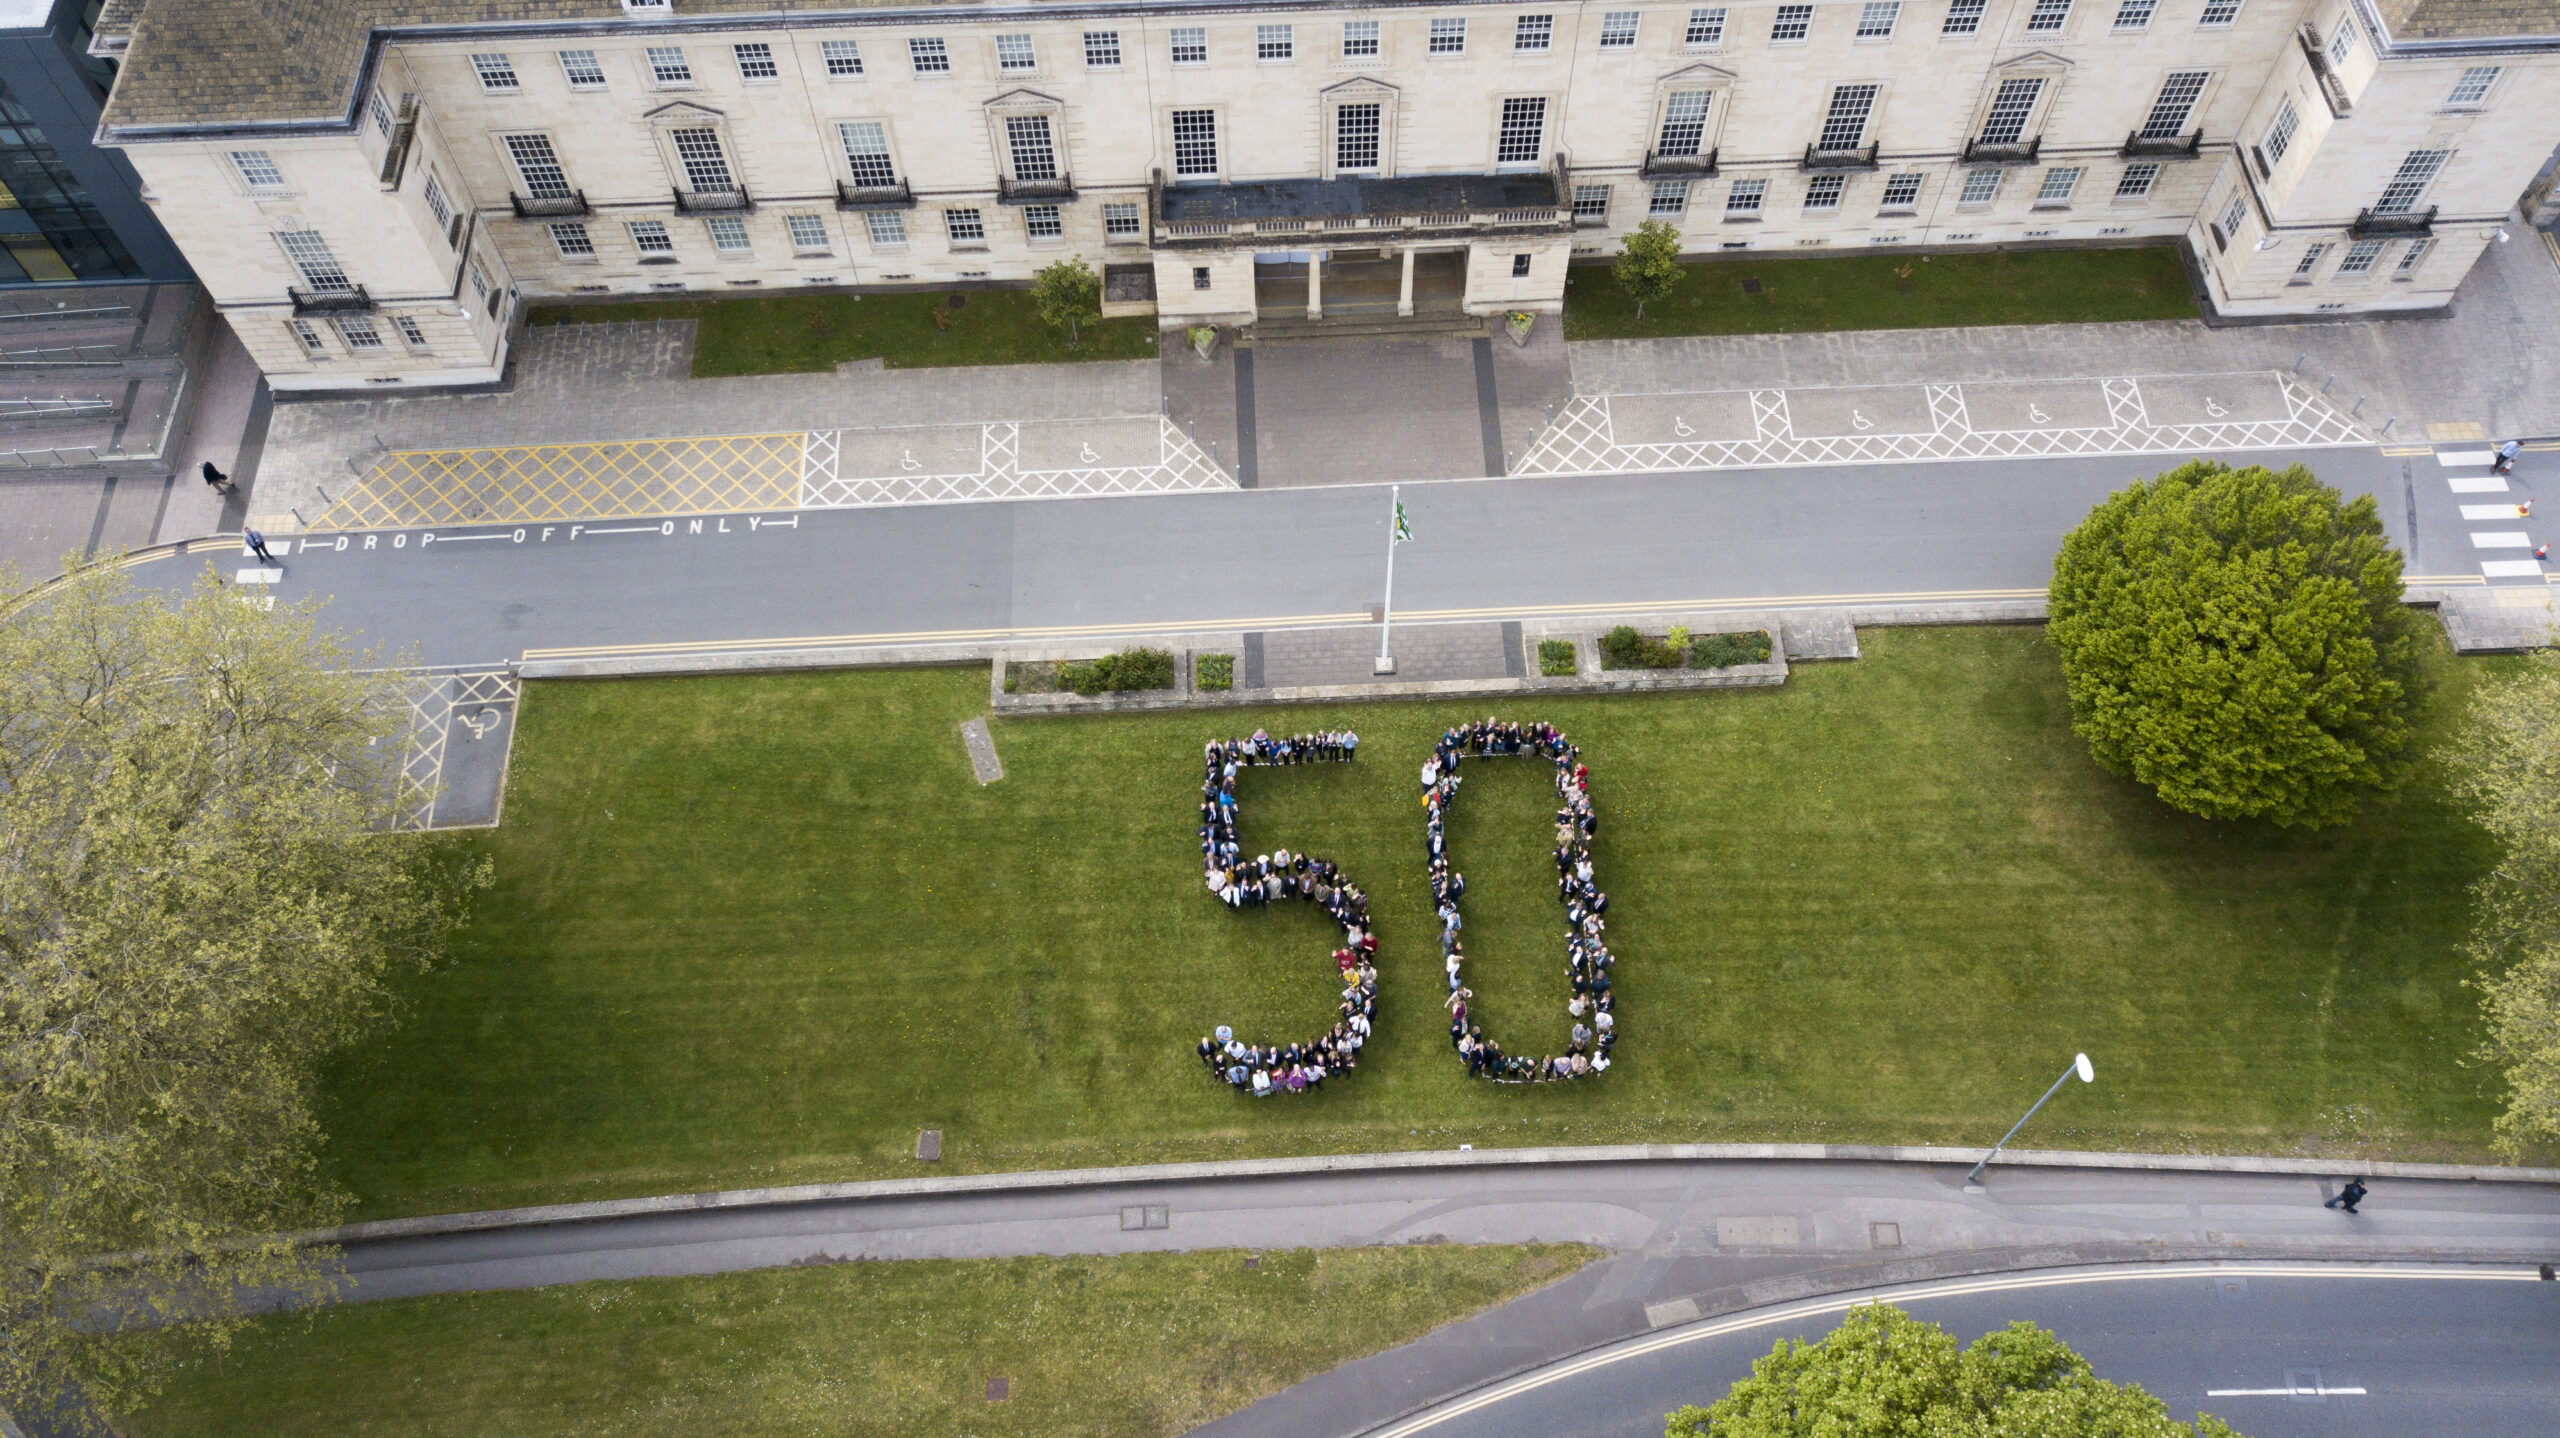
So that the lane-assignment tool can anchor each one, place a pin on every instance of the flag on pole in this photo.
(1404, 531)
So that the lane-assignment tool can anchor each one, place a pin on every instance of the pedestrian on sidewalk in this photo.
(2349, 1196)
(215, 479)
(257, 545)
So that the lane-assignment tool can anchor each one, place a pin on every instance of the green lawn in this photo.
(784, 334)
(1139, 1346)
(1871, 292)
(760, 930)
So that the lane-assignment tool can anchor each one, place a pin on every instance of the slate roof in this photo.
(1346, 198)
(191, 62)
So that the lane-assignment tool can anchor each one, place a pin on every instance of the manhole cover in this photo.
(1885, 1235)
(1751, 284)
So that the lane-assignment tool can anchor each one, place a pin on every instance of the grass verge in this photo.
(761, 929)
(1135, 1346)
(1887, 291)
(788, 334)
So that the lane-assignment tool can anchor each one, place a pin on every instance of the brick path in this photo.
(1304, 658)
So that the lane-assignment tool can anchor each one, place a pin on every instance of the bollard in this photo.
(2388, 423)
(2359, 407)
(2324, 389)
(2298, 359)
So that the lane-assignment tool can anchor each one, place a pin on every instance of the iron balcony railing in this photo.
(2016, 152)
(2163, 146)
(1035, 192)
(712, 202)
(2370, 223)
(1860, 158)
(894, 196)
(549, 207)
(1659, 166)
(349, 301)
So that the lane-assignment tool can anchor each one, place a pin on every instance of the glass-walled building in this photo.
(70, 213)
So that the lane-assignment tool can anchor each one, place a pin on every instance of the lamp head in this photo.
(2265, 242)
(2080, 1062)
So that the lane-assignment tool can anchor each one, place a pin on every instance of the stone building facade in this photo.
(369, 188)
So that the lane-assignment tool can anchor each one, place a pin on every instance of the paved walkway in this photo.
(2490, 369)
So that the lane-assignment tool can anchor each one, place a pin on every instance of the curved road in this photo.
(2277, 1351)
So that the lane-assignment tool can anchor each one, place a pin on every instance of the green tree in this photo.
(2508, 762)
(1884, 1374)
(2234, 639)
(1067, 293)
(197, 904)
(1648, 266)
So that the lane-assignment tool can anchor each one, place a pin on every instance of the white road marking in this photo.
(635, 529)
(2501, 539)
(467, 538)
(258, 576)
(2510, 568)
(2284, 1393)
(2490, 511)
(2475, 484)
(2450, 458)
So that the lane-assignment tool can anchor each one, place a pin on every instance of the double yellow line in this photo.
(1273, 621)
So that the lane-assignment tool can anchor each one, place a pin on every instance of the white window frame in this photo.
(2047, 17)
(2219, 14)
(1275, 44)
(700, 155)
(1374, 132)
(1533, 33)
(359, 334)
(651, 237)
(2307, 268)
(1792, 25)
(2359, 260)
(964, 227)
(1448, 36)
(1909, 183)
(307, 334)
(1981, 188)
(1619, 29)
(315, 262)
(2342, 41)
(1591, 202)
(1123, 220)
(929, 55)
(1032, 138)
(2137, 181)
(1876, 19)
(1851, 110)
(1360, 40)
(411, 333)
(1824, 192)
(1681, 127)
(867, 168)
(1519, 116)
(884, 229)
(1044, 224)
(1667, 200)
(1187, 45)
(755, 61)
(437, 204)
(1102, 49)
(572, 241)
(2418, 171)
(2057, 185)
(1964, 17)
(1999, 111)
(801, 228)
(2413, 257)
(583, 69)
(2134, 15)
(496, 72)
(1202, 143)
(668, 67)
(2279, 133)
(555, 184)
(729, 237)
(2235, 214)
(2180, 94)
(843, 58)
(1746, 199)
(1016, 54)
(1705, 30)
(2471, 91)
(259, 171)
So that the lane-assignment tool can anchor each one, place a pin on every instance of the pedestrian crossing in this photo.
(2468, 472)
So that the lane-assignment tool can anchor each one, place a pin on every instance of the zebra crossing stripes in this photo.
(2490, 539)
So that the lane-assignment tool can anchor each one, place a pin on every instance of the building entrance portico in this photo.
(1370, 283)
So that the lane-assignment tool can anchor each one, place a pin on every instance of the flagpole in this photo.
(1387, 611)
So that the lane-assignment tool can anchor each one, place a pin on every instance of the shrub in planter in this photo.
(1555, 658)
(1723, 651)
(1624, 648)
(1214, 671)
(1128, 669)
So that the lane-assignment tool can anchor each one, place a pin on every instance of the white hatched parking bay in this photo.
(1880, 424)
(1030, 459)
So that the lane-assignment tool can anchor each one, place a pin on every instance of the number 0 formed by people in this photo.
(1279, 877)
(1587, 959)
(1243, 882)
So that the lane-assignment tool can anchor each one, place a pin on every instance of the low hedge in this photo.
(1555, 658)
(1722, 651)
(1214, 671)
(1128, 669)
(1625, 648)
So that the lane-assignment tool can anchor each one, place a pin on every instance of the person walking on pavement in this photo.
(215, 479)
(2349, 1196)
(257, 545)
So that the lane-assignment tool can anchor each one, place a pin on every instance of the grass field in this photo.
(1871, 292)
(761, 930)
(784, 334)
(1138, 1346)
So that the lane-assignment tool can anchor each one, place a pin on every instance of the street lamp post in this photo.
(2080, 1066)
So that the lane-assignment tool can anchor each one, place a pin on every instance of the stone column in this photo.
(1404, 297)
(1315, 284)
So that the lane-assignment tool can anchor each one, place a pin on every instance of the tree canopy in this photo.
(1885, 1374)
(1648, 265)
(1067, 293)
(2234, 639)
(197, 903)
(2508, 760)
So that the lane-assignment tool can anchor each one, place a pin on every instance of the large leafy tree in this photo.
(2509, 763)
(1885, 1374)
(197, 903)
(1648, 264)
(1068, 294)
(2234, 639)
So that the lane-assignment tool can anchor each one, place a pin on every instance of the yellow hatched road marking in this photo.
(551, 483)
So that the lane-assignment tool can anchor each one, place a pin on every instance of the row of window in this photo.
(1748, 199)
(964, 226)
(1018, 54)
(360, 334)
(2362, 259)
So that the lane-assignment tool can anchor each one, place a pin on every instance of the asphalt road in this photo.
(1255, 558)
(2276, 1351)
